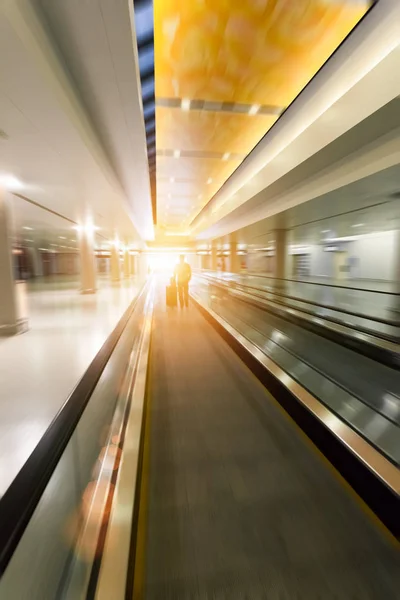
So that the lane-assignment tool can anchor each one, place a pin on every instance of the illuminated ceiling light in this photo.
(185, 104)
(11, 183)
(88, 228)
(358, 225)
(28, 228)
(177, 153)
(325, 231)
(254, 109)
(209, 180)
(180, 233)
(226, 156)
(172, 179)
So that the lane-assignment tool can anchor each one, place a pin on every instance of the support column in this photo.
(234, 258)
(280, 253)
(132, 264)
(214, 257)
(88, 268)
(280, 256)
(127, 260)
(115, 266)
(10, 320)
(37, 266)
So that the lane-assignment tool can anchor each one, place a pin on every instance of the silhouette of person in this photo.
(183, 274)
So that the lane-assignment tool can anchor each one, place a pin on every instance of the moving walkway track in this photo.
(205, 486)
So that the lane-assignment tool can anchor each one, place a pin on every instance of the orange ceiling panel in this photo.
(205, 131)
(198, 171)
(248, 51)
(258, 54)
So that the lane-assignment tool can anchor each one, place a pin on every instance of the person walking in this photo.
(183, 274)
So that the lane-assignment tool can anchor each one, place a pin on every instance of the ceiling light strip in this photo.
(230, 107)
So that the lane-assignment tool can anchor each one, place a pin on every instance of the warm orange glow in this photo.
(246, 51)
(257, 53)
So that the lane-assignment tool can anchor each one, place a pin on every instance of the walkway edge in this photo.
(115, 561)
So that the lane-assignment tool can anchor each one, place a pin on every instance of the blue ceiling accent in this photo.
(144, 24)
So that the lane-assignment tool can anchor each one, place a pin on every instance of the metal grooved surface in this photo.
(240, 506)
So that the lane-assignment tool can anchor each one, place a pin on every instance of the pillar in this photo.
(88, 268)
(127, 264)
(234, 258)
(37, 267)
(132, 264)
(281, 251)
(115, 266)
(214, 257)
(10, 323)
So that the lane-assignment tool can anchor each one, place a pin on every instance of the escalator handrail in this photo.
(23, 495)
(322, 284)
(375, 350)
(310, 302)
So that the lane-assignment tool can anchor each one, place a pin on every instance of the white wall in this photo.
(321, 262)
(375, 256)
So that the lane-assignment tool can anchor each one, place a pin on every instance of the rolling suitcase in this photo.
(171, 293)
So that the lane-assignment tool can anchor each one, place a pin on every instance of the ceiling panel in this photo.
(225, 70)
(209, 131)
(253, 52)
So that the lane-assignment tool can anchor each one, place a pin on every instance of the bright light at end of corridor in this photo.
(163, 262)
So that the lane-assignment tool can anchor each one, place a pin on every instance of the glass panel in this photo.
(40, 568)
(354, 387)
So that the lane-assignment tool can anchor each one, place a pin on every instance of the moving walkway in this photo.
(172, 472)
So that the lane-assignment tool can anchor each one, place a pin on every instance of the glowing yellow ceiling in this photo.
(224, 72)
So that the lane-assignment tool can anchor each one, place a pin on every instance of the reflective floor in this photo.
(40, 368)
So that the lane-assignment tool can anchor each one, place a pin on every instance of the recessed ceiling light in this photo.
(177, 153)
(254, 109)
(325, 231)
(185, 104)
(209, 180)
(226, 156)
(61, 237)
(88, 228)
(358, 225)
(11, 183)
(28, 228)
